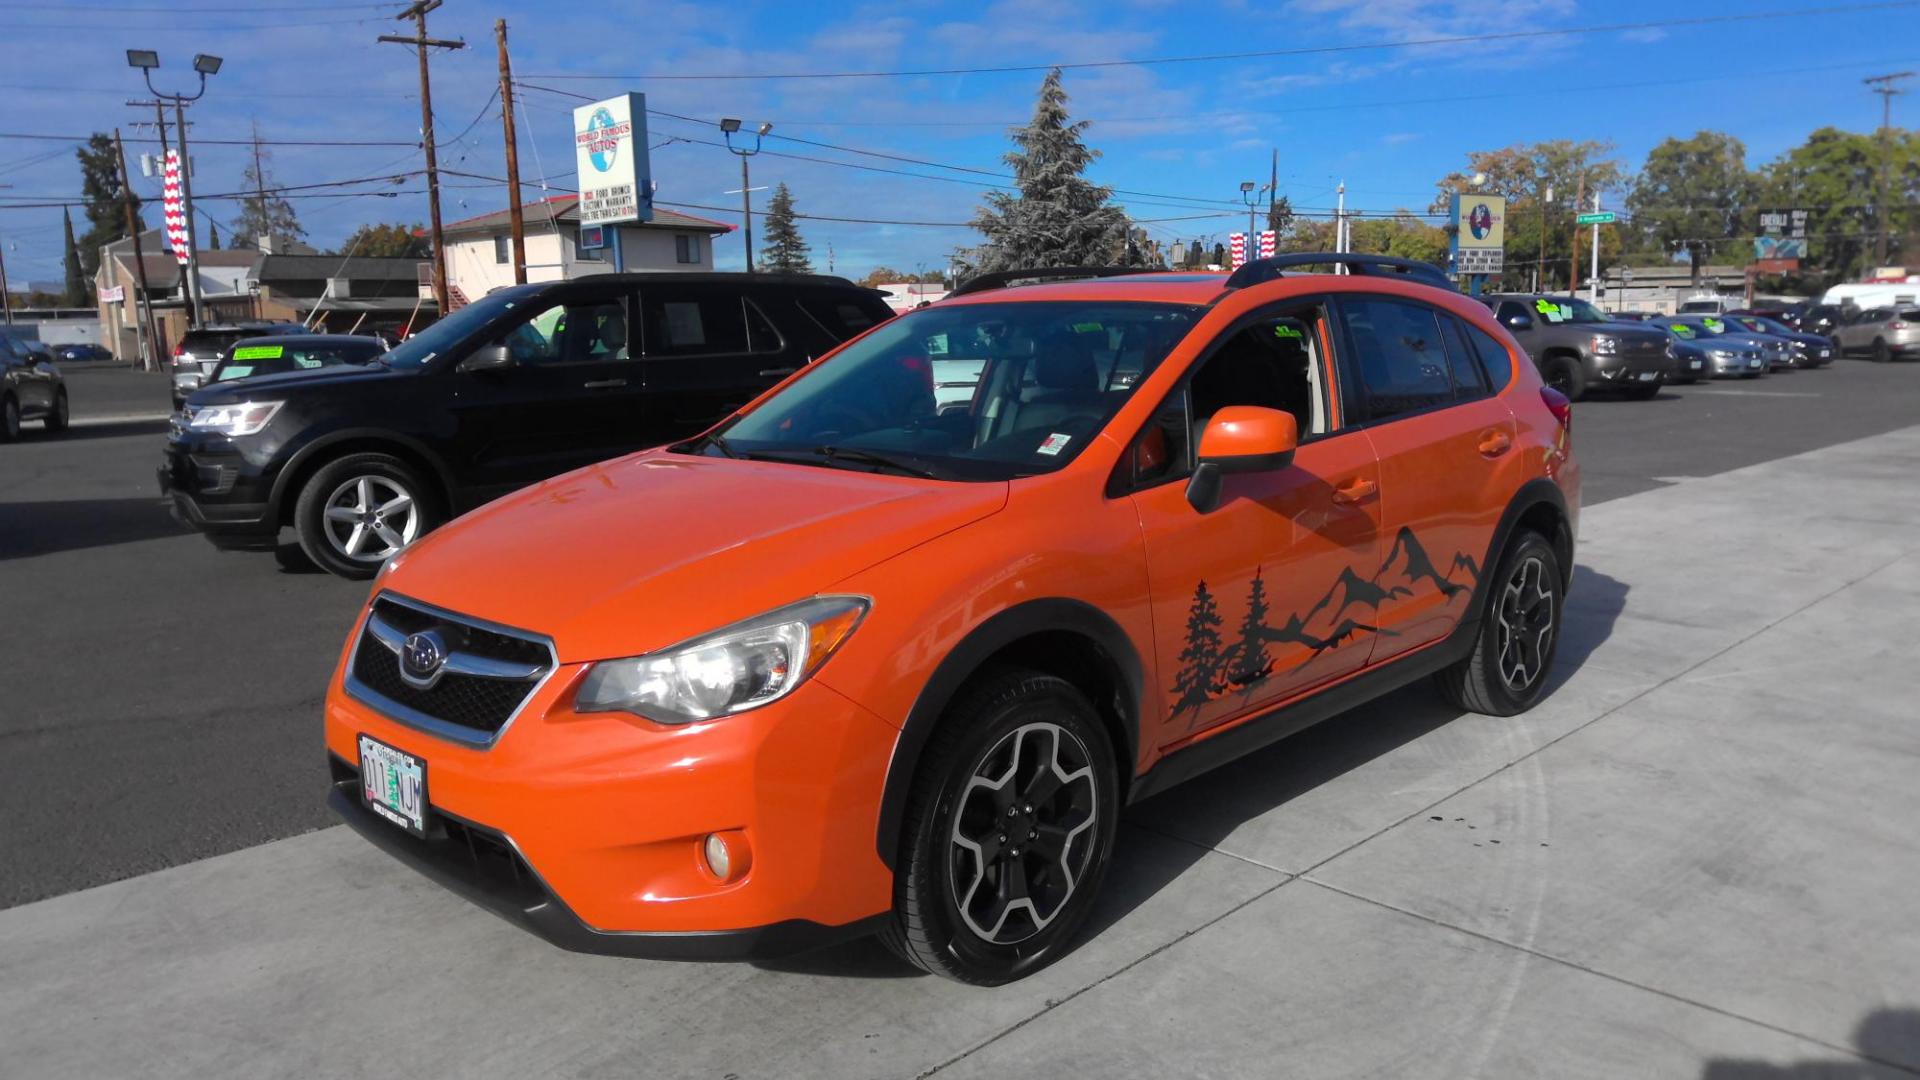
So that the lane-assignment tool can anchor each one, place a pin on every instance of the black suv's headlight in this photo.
(740, 667)
(246, 418)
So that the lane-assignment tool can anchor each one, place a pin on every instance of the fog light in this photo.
(727, 855)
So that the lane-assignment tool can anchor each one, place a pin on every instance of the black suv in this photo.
(30, 387)
(532, 381)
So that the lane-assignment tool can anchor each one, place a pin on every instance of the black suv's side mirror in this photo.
(494, 357)
(1519, 320)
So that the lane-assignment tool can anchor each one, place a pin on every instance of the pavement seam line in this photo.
(1055, 1003)
(1610, 977)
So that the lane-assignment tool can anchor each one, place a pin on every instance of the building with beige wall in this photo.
(480, 249)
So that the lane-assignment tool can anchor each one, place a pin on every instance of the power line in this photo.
(1462, 39)
(217, 142)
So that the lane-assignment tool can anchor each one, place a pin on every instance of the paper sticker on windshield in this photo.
(1288, 332)
(1714, 325)
(1553, 312)
(236, 371)
(1055, 443)
(1681, 330)
(259, 352)
(306, 362)
(1087, 328)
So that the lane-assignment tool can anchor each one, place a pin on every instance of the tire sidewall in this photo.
(1525, 545)
(1576, 376)
(9, 419)
(310, 508)
(58, 418)
(980, 961)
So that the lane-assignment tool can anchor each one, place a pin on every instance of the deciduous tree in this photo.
(1695, 195)
(394, 241)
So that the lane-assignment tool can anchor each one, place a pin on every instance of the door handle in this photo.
(605, 384)
(1495, 443)
(769, 372)
(1354, 490)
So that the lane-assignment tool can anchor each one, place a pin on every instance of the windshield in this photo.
(1558, 310)
(1760, 325)
(249, 360)
(967, 392)
(422, 347)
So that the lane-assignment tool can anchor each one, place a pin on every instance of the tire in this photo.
(9, 419)
(369, 485)
(1529, 576)
(995, 728)
(58, 419)
(1565, 374)
(1642, 393)
(1880, 352)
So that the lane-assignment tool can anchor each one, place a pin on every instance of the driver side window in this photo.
(576, 333)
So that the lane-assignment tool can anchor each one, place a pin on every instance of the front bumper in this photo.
(218, 490)
(605, 815)
(1739, 366)
(1632, 370)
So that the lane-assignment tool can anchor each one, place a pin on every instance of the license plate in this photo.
(1647, 376)
(1753, 363)
(394, 785)
(1696, 365)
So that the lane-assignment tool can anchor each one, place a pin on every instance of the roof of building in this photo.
(566, 209)
(360, 267)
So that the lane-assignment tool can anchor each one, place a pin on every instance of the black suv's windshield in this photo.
(417, 350)
(1563, 309)
(1022, 387)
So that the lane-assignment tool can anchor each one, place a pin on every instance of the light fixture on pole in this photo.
(728, 127)
(1250, 195)
(146, 60)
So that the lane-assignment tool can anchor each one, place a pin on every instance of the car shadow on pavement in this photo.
(1889, 1040)
(28, 529)
(1187, 823)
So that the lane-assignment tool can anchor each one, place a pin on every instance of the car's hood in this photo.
(635, 554)
(261, 387)
(1626, 331)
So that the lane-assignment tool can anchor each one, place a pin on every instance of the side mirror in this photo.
(494, 357)
(1519, 321)
(1240, 439)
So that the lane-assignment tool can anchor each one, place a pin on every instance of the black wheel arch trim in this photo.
(306, 455)
(1050, 615)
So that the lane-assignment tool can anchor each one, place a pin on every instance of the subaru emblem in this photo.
(421, 658)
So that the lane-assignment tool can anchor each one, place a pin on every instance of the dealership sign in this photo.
(1479, 227)
(1788, 223)
(610, 157)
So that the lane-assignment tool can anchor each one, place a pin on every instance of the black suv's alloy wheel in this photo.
(357, 512)
(1009, 830)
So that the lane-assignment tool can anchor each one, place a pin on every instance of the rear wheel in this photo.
(57, 419)
(1008, 831)
(1563, 373)
(9, 418)
(1518, 636)
(1881, 354)
(357, 512)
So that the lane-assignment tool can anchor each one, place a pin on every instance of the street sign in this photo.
(1604, 217)
(610, 157)
(1626, 275)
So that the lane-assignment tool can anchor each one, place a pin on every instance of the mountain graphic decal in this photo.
(1211, 668)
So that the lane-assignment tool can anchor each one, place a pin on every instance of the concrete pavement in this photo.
(1696, 858)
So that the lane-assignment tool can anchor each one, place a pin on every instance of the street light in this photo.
(1250, 195)
(728, 127)
(203, 65)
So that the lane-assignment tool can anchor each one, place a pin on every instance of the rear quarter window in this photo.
(1493, 356)
(844, 317)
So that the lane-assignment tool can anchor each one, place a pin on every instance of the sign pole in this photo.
(1593, 277)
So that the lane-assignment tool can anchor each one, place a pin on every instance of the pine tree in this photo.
(265, 214)
(783, 250)
(76, 284)
(1058, 218)
(1249, 663)
(1202, 659)
(106, 207)
(213, 236)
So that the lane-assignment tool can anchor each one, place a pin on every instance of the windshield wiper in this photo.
(868, 457)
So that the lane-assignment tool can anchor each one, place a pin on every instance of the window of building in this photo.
(502, 250)
(583, 254)
(686, 248)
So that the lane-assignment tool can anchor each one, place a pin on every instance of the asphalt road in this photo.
(160, 700)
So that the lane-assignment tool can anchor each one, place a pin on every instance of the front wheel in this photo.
(57, 419)
(9, 419)
(1563, 373)
(1008, 831)
(1518, 636)
(357, 512)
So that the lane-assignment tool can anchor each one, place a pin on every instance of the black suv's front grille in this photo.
(488, 672)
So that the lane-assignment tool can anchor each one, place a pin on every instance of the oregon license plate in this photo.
(394, 785)
(1648, 376)
(1696, 365)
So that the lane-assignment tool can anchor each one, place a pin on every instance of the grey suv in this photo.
(1882, 333)
(1578, 347)
(201, 349)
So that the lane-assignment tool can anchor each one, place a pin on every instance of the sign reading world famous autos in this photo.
(610, 155)
(1479, 233)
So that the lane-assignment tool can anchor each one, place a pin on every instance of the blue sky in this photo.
(1387, 121)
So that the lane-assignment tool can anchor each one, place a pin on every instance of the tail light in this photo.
(179, 349)
(1896, 326)
(1558, 405)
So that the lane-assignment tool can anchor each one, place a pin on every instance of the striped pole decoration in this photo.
(175, 209)
(1236, 250)
(1268, 244)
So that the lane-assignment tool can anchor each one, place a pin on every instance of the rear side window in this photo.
(1468, 382)
(1398, 355)
(688, 322)
(1493, 356)
(841, 316)
(1910, 316)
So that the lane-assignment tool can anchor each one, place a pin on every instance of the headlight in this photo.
(740, 667)
(246, 418)
(1606, 345)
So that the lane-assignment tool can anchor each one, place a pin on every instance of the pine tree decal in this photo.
(1249, 663)
(1202, 660)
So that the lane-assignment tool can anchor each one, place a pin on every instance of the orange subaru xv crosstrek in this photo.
(888, 649)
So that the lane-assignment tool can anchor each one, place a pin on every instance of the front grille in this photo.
(467, 707)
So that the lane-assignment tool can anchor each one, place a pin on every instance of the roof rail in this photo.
(1000, 279)
(1259, 270)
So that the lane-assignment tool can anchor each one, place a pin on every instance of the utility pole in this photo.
(519, 225)
(1573, 261)
(1540, 264)
(1883, 202)
(421, 42)
(260, 189)
(186, 204)
(6, 296)
(1340, 222)
(1593, 275)
(145, 329)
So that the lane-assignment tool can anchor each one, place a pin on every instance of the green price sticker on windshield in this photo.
(1087, 328)
(1681, 330)
(1551, 311)
(1290, 332)
(259, 352)
(1714, 325)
